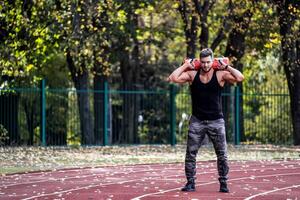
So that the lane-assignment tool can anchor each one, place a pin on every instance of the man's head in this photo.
(206, 59)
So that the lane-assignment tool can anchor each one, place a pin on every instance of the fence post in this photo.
(105, 113)
(237, 115)
(43, 112)
(172, 115)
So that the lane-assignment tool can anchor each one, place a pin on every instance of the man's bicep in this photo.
(184, 77)
(228, 77)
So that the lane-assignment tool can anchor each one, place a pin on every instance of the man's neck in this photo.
(206, 73)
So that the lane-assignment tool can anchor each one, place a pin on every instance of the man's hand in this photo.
(192, 64)
(220, 63)
(223, 65)
(188, 65)
(181, 74)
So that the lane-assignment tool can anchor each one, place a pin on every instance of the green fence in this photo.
(44, 116)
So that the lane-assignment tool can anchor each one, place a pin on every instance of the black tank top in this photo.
(206, 98)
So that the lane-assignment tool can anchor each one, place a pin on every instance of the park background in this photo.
(77, 76)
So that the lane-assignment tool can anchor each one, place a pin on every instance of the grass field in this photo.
(25, 159)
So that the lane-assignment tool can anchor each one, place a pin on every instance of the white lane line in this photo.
(126, 172)
(84, 176)
(121, 182)
(208, 183)
(63, 170)
(129, 167)
(271, 191)
(79, 188)
(84, 170)
(78, 176)
(88, 187)
(233, 163)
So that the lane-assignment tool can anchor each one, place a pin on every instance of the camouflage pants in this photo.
(215, 129)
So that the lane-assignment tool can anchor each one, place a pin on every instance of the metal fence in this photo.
(43, 116)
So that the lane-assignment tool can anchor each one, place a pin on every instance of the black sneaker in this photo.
(223, 187)
(189, 186)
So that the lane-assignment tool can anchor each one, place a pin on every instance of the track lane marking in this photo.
(80, 188)
(212, 182)
(271, 191)
(121, 182)
(250, 163)
(269, 163)
(84, 170)
(74, 177)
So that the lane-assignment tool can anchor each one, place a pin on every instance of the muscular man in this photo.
(206, 85)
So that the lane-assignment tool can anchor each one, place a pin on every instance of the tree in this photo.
(234, 25)
(288, 18)
(190, 21)
(235, 49)
(84, 29)
(127, 45)
(101, 67)
(25, 41)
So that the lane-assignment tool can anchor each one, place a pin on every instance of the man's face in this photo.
(206, 63)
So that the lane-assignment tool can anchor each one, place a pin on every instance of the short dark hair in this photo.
(206, 52)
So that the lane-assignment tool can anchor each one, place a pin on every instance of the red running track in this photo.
(267, 180)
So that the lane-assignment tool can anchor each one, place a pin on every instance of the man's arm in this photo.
(181, 75)
(234, 75)
(231, 74)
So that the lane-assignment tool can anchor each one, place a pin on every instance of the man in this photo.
(206, 85)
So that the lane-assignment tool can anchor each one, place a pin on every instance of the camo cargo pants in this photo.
(215, 129)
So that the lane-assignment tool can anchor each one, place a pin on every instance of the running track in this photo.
(267, 180)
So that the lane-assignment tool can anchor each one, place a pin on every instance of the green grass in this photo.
(25, 159)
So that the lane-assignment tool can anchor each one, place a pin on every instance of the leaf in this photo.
(29, 67)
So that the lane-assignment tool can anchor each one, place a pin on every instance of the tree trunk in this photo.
(127, 71)
(80, 80)
(296, 98)
(295, 101)
(130, 72)
(86, 122)
(203, 11)
(128, 116)
(29, 113)
(100, 69)
(190, 28)
(235, 50)
(290, 58)
(99, 108)
(225, 27)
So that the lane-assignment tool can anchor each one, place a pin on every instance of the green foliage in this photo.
(83, 29)
(154, 129)
(55, 71)
(29, 117)
(266, 103)
(73, 139)
(73, 131)
(27, 38)
(263, 36)
(36, 35)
